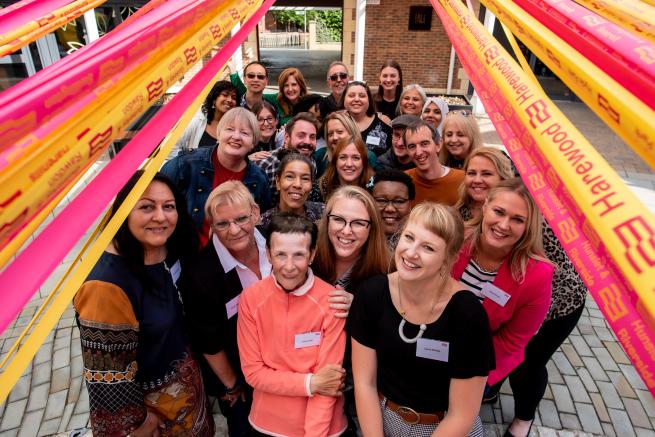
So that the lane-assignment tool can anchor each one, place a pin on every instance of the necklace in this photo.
(494, 269)
(401, 326)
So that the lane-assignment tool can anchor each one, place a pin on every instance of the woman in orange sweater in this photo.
(296, 373)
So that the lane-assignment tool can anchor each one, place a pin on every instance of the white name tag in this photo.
(232, 307)
(432, 349)
(490, 291)
(375, 141)
(307, 339)
(175, 271)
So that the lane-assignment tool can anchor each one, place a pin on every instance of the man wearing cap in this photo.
(398, 156)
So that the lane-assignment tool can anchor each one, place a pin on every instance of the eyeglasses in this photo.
(342, 76)
(267, 120)
(397, 203)
(258, 76)
(404, 147)
(239, 221)
(355, 225)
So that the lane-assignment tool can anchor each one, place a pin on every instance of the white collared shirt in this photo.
(246, 276)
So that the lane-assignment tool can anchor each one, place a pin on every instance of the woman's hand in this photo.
(234, 395)
(340, 300)
(258, 156)
(328, 381)
(149, 427)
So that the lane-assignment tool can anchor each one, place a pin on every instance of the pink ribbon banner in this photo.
(22, 13)
(611, 291)
(22, 278)
(627, 58)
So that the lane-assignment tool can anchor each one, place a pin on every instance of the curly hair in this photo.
(219, 87)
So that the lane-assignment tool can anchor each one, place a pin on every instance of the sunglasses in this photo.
(258, 76)
(342, 76)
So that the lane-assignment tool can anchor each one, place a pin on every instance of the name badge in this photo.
(307, 339)
(175, 271)
(375, 141)
(232, 307)
(432, 349)
(490, 291)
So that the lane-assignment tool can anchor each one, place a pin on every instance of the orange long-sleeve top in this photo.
(272, 324)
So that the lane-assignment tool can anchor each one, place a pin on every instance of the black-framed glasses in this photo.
(356, 225)
(335, 76)
(267, 120)
(258, 76)
(239, 221)
(397, 203)
(404, 147)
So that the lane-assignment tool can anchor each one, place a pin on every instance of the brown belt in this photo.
(410, 416)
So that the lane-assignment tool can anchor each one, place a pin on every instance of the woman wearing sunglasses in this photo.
(358, 101)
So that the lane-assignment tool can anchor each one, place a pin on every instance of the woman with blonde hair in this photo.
(349, 166)
(421, 344)
(292, 86)
(336, 126)
(503, 263)
(460, 136)
(484, 168)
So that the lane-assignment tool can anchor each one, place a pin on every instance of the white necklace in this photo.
(401, 326)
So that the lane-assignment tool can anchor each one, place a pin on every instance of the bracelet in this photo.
(235, 388)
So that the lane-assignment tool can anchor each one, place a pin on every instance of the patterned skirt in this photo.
(395, 426)
(181, 402)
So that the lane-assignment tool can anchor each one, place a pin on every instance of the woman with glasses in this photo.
(390, 88)
(393, 191)
(421, 346)
(203, 129)
(197, 173)
(141, 377)
(294, 180)
(351, 248)
(234, 259)
(267, 119)
(434, 111)
(349, 166)
(484, 169)
(460, 137)
(411, 100)
(358, 101)
(292, 87)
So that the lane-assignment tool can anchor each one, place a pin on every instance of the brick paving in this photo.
(593, 389)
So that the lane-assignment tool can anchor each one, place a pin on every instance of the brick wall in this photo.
(424, 56)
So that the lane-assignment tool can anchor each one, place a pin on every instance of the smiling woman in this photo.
(141, 378)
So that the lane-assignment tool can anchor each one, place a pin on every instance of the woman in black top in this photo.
(421, 344)
(391, 85)
(358, 101)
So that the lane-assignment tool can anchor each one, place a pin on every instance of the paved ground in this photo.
(593, 388)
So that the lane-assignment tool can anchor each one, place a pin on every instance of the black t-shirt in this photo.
(387, 108)
(207, 140)
(327, 105)
(404, 378)
(377, 136)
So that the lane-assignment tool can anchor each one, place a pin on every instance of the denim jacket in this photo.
(193, 172)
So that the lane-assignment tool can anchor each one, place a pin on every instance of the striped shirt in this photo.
(474, 278)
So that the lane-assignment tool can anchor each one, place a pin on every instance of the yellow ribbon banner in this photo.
(628, 116)
(596, 199)
(30, 183)
(636, 16)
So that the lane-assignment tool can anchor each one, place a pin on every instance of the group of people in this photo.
(349, 264)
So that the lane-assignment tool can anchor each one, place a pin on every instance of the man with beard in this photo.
(337, 79)
(299, 136)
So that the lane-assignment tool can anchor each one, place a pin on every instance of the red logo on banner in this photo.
(100, 141)
(636, 235)
(234, 13)
(191, 55)
(605, 104)
(537, 113)
(490, 54)
(536, 181)
(155, 89)
(8, 202)
(216, 31)
(612, 303)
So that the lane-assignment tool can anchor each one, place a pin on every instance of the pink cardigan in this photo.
(513, 325)
(269, 321)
